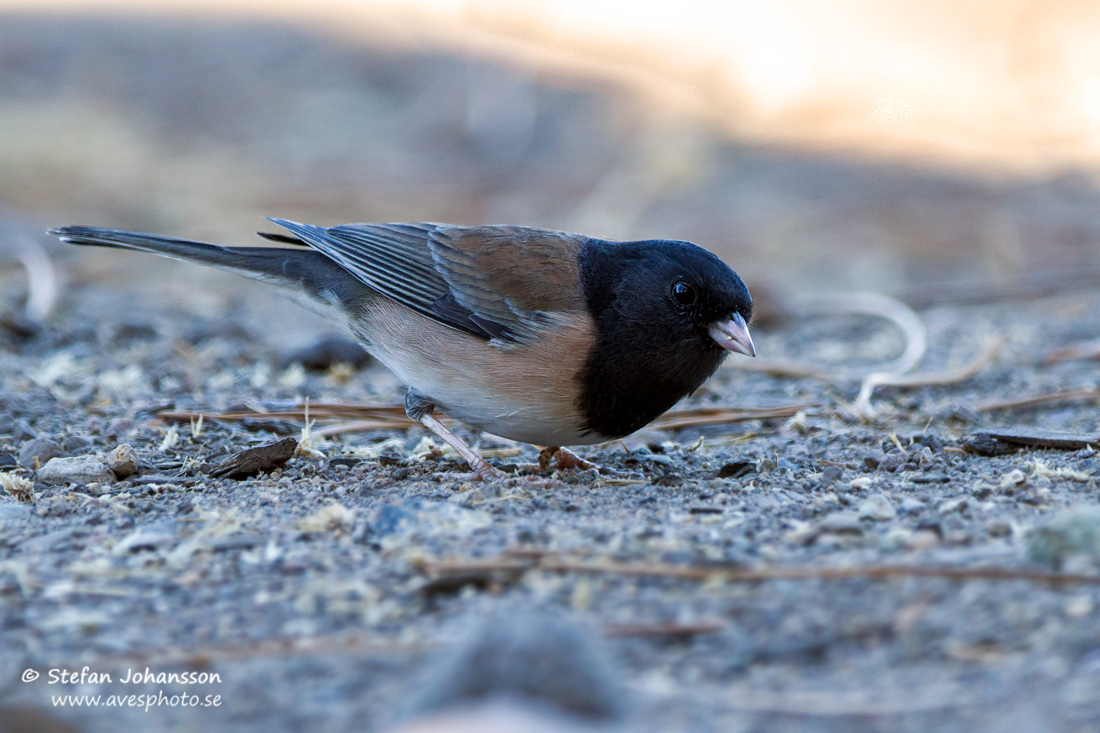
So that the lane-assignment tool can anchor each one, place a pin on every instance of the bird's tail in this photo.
(304, 271)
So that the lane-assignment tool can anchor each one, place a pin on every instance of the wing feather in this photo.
(502, 284)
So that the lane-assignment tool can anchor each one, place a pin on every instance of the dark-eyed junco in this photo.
(536, 335)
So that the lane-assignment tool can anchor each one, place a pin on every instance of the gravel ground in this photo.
(309, 591)
(316, 593)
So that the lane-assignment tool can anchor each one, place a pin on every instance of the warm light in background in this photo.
(1008, 82)
(1012, 83)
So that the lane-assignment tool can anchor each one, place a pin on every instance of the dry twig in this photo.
(365, 417)
(668, 628)
(515, 564)
(947, 376)
(1036, 400)
(868, 304)
(1086, 350)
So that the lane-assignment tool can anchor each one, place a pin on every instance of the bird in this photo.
(539, 336)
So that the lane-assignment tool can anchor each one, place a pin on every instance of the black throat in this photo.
(645, 358)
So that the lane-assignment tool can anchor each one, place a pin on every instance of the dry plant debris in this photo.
(254, 461)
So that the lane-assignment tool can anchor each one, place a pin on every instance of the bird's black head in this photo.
(666, 315)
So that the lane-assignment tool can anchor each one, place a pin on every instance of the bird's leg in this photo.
(420, 409)
(563, 458)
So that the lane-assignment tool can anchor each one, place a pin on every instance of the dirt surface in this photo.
(644, 596)
(309, 590)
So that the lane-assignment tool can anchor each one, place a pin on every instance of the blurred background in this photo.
(851, 144)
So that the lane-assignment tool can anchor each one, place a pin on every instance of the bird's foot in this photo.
(420, 409)
(563, 458)
(486, 472)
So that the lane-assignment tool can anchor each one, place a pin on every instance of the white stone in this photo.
(76, 470)
(877, 507)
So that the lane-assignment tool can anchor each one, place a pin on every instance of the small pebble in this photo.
(119, 426)
(872, 459)
(893, 460)
(909, 505)
(488, 490)
(841, 523)
(897, 538)
(76, 442)
(123, 461)
(143, 539)
(43, 449)
(924, 539)
(950, 506)
(1074, 531)
(737, 469)
(877, 507)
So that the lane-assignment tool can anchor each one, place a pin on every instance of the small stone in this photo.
(928, 440)
(1073, 532)
(736, 469)
(998, 528)
(43, 449)
(802, 533)
(76, 470)
(1079, 606)
(22, 431)
(893, 460)
(765, 465)
(390, 458)
(950, 506)
(909, 505)
(924, 539)
(123, 461)
(872, 459)
(897, 538)
(488, 490)
(129, 331)
(857, 484)
(877, 507)
(589, 476)
(75, 443)
(841, 523)
(389, 519)
(119, 426)
(963, 413)
(831, 475)
(539, 657)
(150, 538)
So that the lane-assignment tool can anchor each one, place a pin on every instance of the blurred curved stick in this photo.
(862, 404)
(1037, 400)
(865, 304)
(42, 285)
(892, 374)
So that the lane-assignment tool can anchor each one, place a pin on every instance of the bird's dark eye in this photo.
(684, 293)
